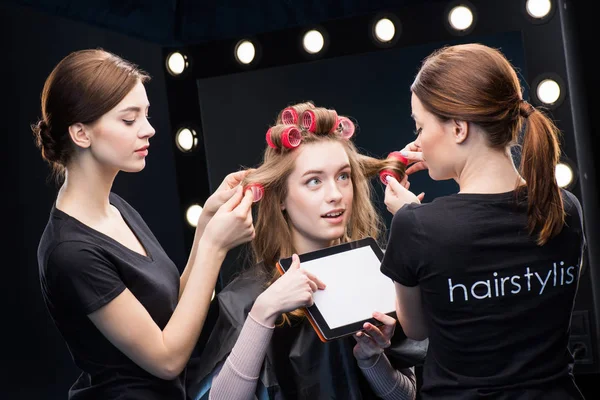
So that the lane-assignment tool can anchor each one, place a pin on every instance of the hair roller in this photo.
(291, 137)
(269, 141)
(309, 121)
(347, 127)
(398, 156)
(383, 175)
(257, 189)
(289, 116)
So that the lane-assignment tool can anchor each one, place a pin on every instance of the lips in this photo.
(143, 148)
(333, 213)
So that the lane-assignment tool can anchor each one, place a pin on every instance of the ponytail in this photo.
(540, 154)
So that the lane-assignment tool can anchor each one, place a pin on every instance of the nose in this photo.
(333, 193)
(147, 131)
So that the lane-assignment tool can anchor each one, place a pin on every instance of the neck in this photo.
(86, 190)
(303, 244)
(489, 171)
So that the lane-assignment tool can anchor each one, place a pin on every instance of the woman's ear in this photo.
(79, 135)
(460, 130)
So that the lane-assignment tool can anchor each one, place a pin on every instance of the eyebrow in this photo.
(133, 108)
(317, 172)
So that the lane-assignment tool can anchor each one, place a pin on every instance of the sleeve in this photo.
(389, 383)
(82, 276)
(400, 259)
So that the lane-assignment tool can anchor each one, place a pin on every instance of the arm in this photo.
(387, 382)
(223, 193)
(238, 377)
(237, 380)
(409, 310)
(129, 326)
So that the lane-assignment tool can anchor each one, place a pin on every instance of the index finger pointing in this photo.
(320, 284)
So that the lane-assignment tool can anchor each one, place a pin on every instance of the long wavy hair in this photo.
(273, 238)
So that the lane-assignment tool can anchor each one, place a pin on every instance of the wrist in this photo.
(263, 312)
(369, 362)
(207, 245)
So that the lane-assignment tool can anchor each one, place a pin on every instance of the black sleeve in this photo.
(78, 273)
(400, 259)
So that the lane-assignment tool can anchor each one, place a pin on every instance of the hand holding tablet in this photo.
(355, 287)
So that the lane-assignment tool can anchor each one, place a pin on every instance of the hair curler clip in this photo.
(257, 189)
(347, 126)
(309, 121)
(291, 137)
(269, 141)
(289, 116)
(398, 156)
(383, 175)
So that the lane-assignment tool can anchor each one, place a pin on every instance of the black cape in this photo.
(297, 364)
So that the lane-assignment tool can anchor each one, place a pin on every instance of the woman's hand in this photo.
(223, 192)
(232, 223)
(292, 290)
(397, 194)
(373, 340)
(414, 154)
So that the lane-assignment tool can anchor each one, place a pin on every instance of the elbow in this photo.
(169, 370)
(415, 333)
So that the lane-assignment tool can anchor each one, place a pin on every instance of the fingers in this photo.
(384, 318)
(394, 185)
(414, 156)
(234, 179)
(233, 200)
(246, 203)
(319, 283)
(421, 196)
(295, 262)
(420, 166)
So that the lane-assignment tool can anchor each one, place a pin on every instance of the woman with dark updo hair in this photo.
(128, 318)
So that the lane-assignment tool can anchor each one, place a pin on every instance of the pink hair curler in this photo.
(291, 137)
(289, 116)
(309, 121)
(385, 173)
(269, 141)
(257, 189)
(398, 156)
(348, 127)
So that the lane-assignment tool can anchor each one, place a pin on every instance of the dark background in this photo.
(35, 35)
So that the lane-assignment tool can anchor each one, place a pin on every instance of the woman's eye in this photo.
(129, 122)
(345, 176)
(313, 182)
(418, 131)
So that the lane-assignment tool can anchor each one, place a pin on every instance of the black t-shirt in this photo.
(82, 270)
(497, 305)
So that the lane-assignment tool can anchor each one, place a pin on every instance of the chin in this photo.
(133, 169)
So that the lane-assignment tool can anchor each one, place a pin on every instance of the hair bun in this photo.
(45, 142)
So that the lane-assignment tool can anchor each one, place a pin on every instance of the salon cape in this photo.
(297, 364)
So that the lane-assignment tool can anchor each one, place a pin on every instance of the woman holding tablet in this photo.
(495, 266)
(316, 194)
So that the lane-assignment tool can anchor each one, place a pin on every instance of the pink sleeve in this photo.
(389, 383)
(237, 379)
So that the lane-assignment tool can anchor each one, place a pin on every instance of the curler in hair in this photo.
(309, 121)
(398, 156)
(257, 189)
(289, 116)
(347, 127)
(386, 172)
(291, 137)
(269, 141)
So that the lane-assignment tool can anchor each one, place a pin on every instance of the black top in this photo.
(497, 305)
(82, 270)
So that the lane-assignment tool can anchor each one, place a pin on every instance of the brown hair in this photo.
(82, 87)
(477, 84)
(273, 238)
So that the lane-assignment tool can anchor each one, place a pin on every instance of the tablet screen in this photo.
(355, 286)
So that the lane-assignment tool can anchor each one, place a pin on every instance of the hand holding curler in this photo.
(414, 154)
(397, 194)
